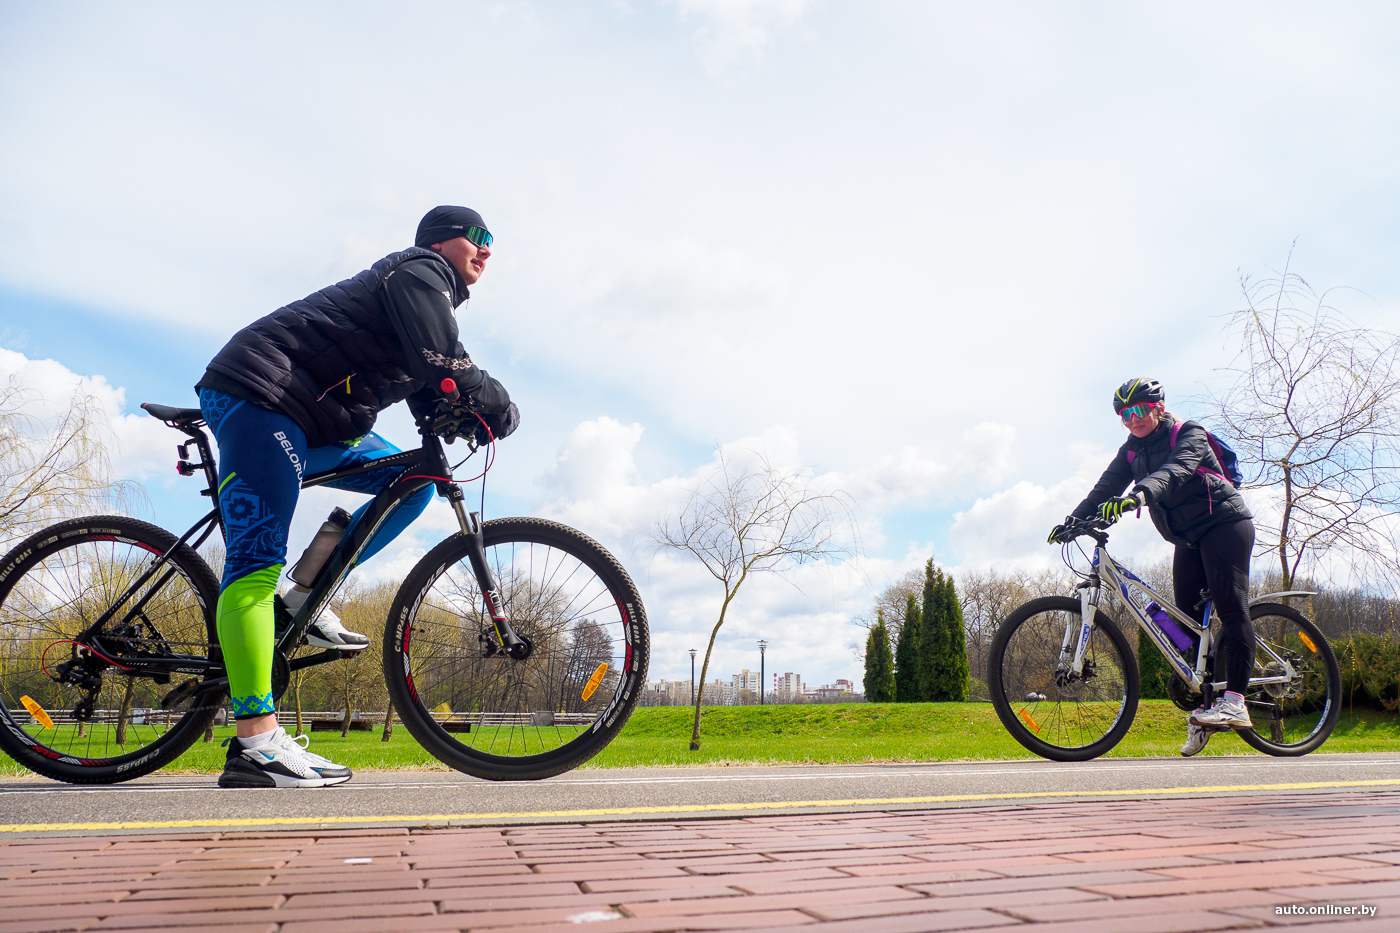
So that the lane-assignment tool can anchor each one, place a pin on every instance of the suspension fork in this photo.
(1088, 605)
(473, 530)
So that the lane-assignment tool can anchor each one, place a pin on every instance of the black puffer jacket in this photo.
(333, 360)
(1183, 503)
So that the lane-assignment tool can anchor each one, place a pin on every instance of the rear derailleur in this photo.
(84, 671)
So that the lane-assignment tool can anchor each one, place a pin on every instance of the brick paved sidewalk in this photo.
(1144, 866)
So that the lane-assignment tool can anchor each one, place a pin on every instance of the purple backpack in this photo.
(1224, 455)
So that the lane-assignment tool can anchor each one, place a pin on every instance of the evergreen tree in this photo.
(1153, 669)
(934, 619)
(956, 670)
(879, 664)
(907, 655)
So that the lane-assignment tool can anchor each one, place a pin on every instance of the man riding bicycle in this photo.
(297, 392)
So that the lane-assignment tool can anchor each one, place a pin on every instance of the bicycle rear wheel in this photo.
(1295, 717)
(1053, 713)
(116, 726)
(489, 715)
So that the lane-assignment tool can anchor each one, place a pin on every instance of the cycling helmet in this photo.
(1137, 390)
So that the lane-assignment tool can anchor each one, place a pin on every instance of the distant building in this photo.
(843, 691)
(787, 688)
(666, 693)
(746, 680)
(677, 693)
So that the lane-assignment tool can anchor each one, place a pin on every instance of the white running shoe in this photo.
(1196, 737)
(327, 632)
(281, 762)
(1227, 713)
(324, 632)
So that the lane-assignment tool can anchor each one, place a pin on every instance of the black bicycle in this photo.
(516, 649)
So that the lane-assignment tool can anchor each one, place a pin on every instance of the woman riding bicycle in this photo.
(298, 391)
(1196, 508)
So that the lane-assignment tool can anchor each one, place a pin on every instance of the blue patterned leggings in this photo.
(262, 457)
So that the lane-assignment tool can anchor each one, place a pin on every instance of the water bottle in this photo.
(314, 557)
(1168, 625)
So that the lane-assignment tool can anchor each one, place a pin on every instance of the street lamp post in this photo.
(762, 648)
(692, 676)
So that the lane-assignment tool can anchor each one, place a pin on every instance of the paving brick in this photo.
(1165, 886)
(430, 924)
(1266, 869)
(58, 925)
(430, 895)
(1214, 901)
(779, 919)
(283, 915)
(803, 901)
(1002, 901)
(1189, 921)
(760, 884)
(913, 923)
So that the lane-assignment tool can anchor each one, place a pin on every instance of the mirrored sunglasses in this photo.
(1135, 411)
(478, 235)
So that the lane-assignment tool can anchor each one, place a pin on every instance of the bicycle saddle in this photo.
(171, 415)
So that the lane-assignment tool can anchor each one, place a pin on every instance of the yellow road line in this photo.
(682, 808)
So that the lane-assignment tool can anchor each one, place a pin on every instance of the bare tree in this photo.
(752, 517)
(357, 681)
(1314, 413)
(54, 467)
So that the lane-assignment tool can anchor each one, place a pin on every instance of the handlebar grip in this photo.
(449, 388)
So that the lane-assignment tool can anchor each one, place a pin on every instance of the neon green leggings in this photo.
(246, 636)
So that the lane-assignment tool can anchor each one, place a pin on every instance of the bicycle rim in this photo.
(496, 717)
(52, 587)
(1297, 716)
(1047, 709)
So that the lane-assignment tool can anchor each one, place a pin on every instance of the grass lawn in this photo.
(853, 733)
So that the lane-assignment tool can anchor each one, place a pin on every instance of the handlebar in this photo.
(449, 389)
(1094, 527)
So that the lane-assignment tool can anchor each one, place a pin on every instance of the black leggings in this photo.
(1220, 562)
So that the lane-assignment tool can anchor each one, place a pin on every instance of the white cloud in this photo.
(141, 448)
(1007, 529)
(733, 31)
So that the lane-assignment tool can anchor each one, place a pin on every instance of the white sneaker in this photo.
(280, 762)
(327, 632)
(1227, 713)
(1196, 737)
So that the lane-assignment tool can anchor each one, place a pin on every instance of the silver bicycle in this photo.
(1065, 682)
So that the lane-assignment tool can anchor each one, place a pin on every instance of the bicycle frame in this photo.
(418, 468)
(1136, 594)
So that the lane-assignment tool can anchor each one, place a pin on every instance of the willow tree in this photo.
(748, 517)
(54, 467)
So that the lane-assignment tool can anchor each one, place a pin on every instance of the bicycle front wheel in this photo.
(1293, 716)
(487, 714)
(70, 710)
(1045, 706)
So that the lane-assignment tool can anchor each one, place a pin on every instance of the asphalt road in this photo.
(162, 803)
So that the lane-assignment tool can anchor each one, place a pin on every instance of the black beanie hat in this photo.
(446, 223)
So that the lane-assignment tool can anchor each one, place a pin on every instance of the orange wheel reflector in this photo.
(1030, 722)
(37, 712)
(1308, 641)
(595, 680)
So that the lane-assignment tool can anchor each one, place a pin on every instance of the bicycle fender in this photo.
(1270, 597)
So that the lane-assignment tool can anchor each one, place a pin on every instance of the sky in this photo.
(911, 247)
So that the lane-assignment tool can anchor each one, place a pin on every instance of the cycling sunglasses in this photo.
(1136, 411)
(478, 235)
